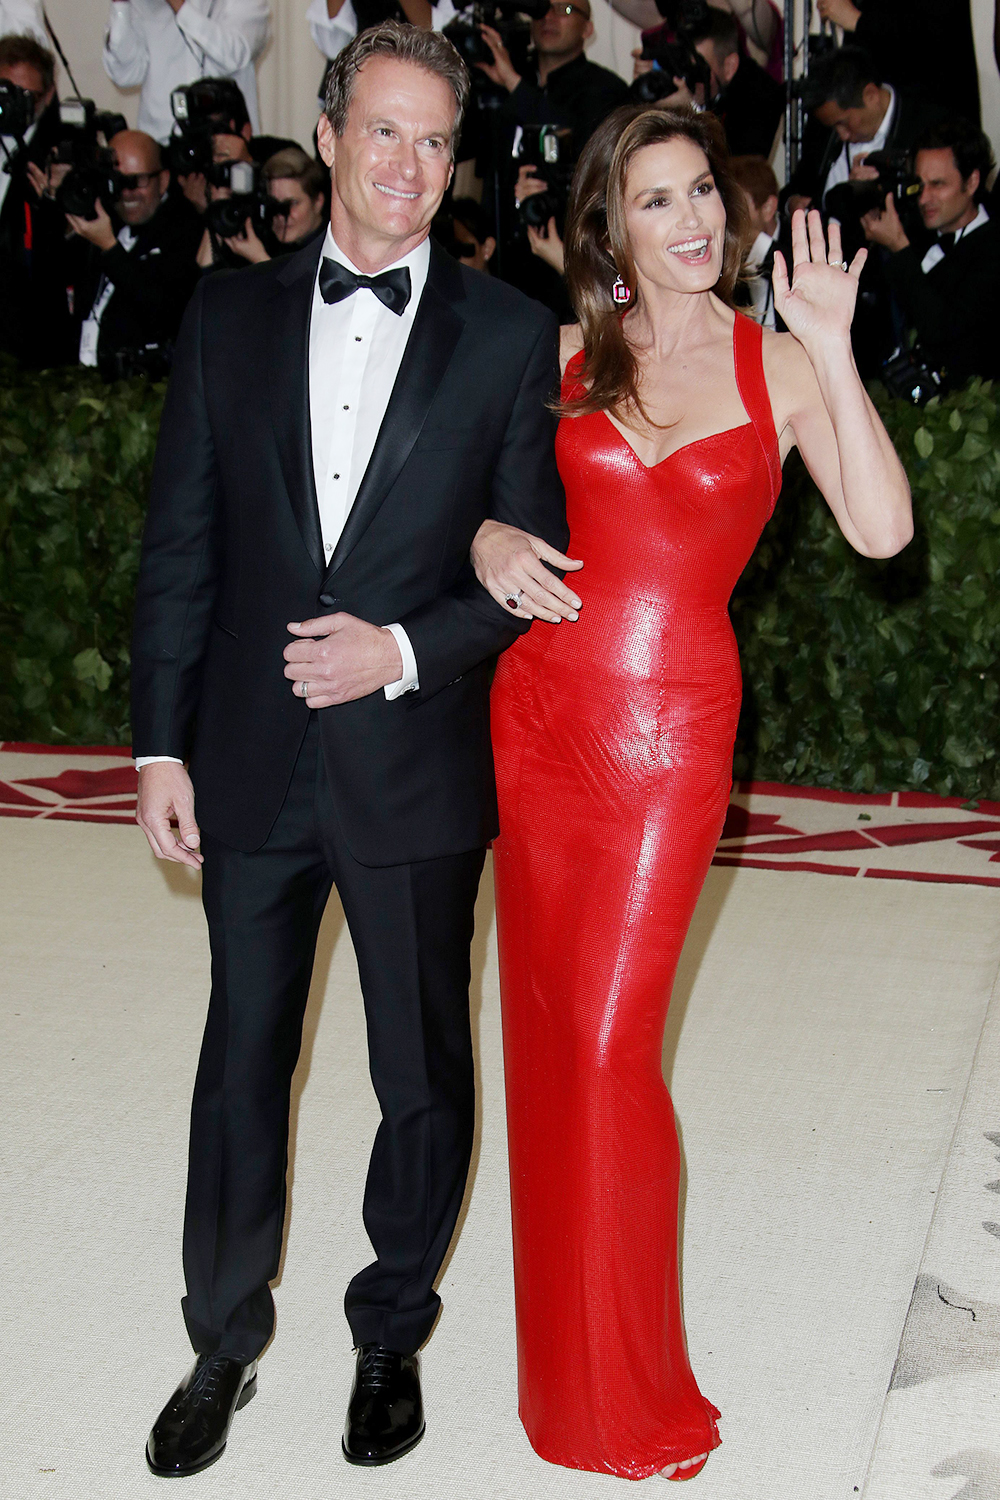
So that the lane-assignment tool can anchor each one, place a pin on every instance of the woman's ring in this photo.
(513, 601)
(840, 264)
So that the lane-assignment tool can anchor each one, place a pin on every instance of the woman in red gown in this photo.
(614, 739)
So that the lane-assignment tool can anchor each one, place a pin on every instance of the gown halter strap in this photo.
(748, 339)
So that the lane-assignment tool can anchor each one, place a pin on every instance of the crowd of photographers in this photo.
(105, 231)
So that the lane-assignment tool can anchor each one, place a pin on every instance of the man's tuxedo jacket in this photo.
(955, 306)
(233, 551)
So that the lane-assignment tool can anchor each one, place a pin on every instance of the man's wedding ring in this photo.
(305, 690)
(513, 601)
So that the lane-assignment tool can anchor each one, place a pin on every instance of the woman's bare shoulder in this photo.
(570, 343)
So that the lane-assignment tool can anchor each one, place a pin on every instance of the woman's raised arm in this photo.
(824, 407)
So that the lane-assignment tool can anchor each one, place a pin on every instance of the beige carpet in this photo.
(820, 1048)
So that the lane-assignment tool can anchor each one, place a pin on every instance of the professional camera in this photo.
(909, 376)
(850, 201)
(674, 57)
(152, 361)
(17, 110)
(549, 149)
(199, 109)
(85, 132)
(505, 16)
(226, 217)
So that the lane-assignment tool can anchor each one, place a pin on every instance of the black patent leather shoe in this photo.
(385, 1416)
(191, 1431)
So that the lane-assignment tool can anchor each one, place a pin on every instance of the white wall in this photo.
(291, 68)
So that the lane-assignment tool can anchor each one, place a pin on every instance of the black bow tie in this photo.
(946, 242)
(336, 282)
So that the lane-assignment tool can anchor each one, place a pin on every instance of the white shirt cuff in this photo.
(152, 760)
(410, 681)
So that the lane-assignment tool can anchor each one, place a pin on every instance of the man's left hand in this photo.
(885, 228)
(339, 658)
(99, 230)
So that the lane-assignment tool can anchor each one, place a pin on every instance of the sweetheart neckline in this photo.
(695, 442)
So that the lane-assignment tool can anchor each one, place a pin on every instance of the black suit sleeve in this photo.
(938, 317)
(465, 626)
(179, 569)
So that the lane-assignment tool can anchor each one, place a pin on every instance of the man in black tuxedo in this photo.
(948, 284)
(338, 426)
(137, 272)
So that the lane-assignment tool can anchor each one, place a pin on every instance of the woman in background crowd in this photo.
(614, 743)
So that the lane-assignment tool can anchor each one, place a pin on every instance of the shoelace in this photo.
(376, 1367)
(205, 1385)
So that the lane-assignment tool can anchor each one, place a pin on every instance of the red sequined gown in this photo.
(614, 742)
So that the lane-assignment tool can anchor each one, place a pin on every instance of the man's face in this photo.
(947, 202)
(856, 123)
(391, 166)
(138, 160)
(27, 77)
(228, 148)
(562, 31)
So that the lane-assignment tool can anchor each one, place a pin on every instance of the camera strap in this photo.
(62, 56)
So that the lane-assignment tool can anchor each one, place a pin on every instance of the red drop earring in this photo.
(620, 292)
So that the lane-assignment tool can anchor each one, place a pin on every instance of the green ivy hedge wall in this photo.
(869, 676)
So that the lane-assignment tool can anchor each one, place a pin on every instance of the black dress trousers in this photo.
(411, 926)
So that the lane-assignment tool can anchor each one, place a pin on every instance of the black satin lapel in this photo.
(289, 380)
(437, 328)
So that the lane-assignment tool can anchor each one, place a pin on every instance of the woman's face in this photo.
(304, 214)
(675, 217)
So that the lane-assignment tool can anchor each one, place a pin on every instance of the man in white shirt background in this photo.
(332, 23)
(162, 44)
(23, 18)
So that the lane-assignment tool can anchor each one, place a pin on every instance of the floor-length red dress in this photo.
(614, 743)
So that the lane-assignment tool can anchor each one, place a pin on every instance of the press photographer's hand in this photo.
(501, 71)
(884, 227)
(99, 230)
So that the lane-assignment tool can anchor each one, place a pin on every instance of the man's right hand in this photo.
(501, 70)
(165, 790)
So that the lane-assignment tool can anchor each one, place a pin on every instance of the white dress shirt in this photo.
(356, 347)
(841, 169)
(935, 254)
(23, 18)
(761, 290)
(332, 34)
(148, 44)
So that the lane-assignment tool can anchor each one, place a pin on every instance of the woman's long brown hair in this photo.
(598, 249)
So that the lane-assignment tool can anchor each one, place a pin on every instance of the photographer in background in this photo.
(136, 274)
(213, 107)
(749, 103)
(853, 114)
(295, 202)
(948, 284)
(163, 44)
(35, 323)
(925, 46)
(566, 89)
(215, 252)
(23, 18)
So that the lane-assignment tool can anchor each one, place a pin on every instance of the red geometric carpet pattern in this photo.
(887, 836)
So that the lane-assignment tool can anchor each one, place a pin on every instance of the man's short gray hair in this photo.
(425, 49)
